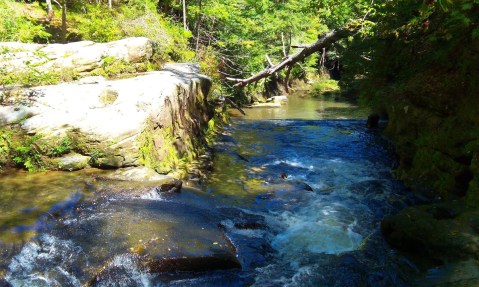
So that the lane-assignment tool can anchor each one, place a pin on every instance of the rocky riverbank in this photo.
(433, 121)
(156, 119)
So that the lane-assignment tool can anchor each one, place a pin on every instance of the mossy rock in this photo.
(71, 162)
(439, 232)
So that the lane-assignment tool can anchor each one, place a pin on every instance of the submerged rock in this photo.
(165, 236)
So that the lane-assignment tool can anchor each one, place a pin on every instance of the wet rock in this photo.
(138, 173)
(171, 186)
(123, 270)
(441, 232)
(166, 236)
(290, 185)
(112, 186)
(243, 220)
(241, 157)
(301, 185)
(195, 264)
(373, 121)
(4, 283)
(463, 273)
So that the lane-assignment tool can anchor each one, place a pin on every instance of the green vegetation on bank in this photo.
(414, 62)
(419, 67)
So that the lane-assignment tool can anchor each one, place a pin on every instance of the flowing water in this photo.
(295, 199)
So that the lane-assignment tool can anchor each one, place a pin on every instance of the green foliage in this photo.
(324, 87)
(27, 153)
(96, 23)
(30, 77)
(16, 26)
(418, 65)
(95, 156)
(134, 19)
(411, 39)
(112, 66)
(63, 147)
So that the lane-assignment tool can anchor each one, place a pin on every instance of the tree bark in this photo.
(184, 15)
(50, 12)
(64, 21)
(323, 42)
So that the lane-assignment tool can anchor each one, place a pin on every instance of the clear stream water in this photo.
(265, 165)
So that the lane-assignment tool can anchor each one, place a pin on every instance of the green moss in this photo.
(162, 150)
(157, 149)
(95, 156)
(215, 124)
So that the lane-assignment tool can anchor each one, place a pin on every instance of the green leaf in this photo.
(466, 6)
(475, 33)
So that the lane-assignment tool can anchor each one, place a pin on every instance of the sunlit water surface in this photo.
(264, 164)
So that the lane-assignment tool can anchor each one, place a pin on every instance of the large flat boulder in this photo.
(81, 57)
(154, 119)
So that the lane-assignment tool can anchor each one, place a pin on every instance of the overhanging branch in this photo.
(323, 42)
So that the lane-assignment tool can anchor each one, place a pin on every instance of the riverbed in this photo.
(295, 198)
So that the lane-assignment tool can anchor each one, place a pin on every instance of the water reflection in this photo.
(29, 200)
(307, 109)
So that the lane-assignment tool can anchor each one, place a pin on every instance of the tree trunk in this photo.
(50, 12)
(199, 17)
(109, 4)
(289, 61)
(184, 15)
(64, 21)
(284, 45)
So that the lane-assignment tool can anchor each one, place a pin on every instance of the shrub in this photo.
(15, 26)
(324, 87)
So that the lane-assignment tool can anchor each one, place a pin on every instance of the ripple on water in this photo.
(319, 235)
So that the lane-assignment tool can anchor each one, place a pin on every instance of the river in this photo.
(296, 194)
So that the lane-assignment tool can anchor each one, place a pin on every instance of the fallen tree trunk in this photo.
(322, 42)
